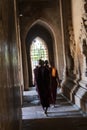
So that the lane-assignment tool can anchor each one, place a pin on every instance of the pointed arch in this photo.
(44, 24)
(42, 30)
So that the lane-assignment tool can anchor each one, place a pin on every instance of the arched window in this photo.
(38, 50)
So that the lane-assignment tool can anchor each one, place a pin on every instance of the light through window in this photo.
(38, 50)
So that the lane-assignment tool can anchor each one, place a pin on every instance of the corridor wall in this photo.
(10, 112)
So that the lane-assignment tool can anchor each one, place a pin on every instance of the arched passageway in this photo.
(42, 32)
(66, 16)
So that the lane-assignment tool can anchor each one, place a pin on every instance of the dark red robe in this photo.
(54, 79)
(43, 84)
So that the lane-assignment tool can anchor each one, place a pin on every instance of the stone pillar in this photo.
(10, 106)
(25, 65)
(80, 91)
(69, 81)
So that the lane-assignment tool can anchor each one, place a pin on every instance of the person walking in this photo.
(35, 76)
(54, 82)
(43, 83)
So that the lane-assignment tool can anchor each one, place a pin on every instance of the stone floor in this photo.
(32, 108)
(63, 115)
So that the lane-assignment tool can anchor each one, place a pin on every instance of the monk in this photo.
(43, 84)
(54, 82)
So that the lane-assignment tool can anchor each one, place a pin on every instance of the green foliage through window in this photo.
(38, 51)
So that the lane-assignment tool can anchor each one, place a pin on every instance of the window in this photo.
(38, 50)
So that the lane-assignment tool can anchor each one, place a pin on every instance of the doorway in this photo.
(39, 33)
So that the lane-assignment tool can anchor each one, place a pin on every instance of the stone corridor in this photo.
(62, 27)
(63, 115)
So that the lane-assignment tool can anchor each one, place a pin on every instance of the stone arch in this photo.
(43, 30)
(45, 23)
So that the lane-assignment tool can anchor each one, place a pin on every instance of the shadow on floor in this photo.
(64, 116)
(32, 108)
